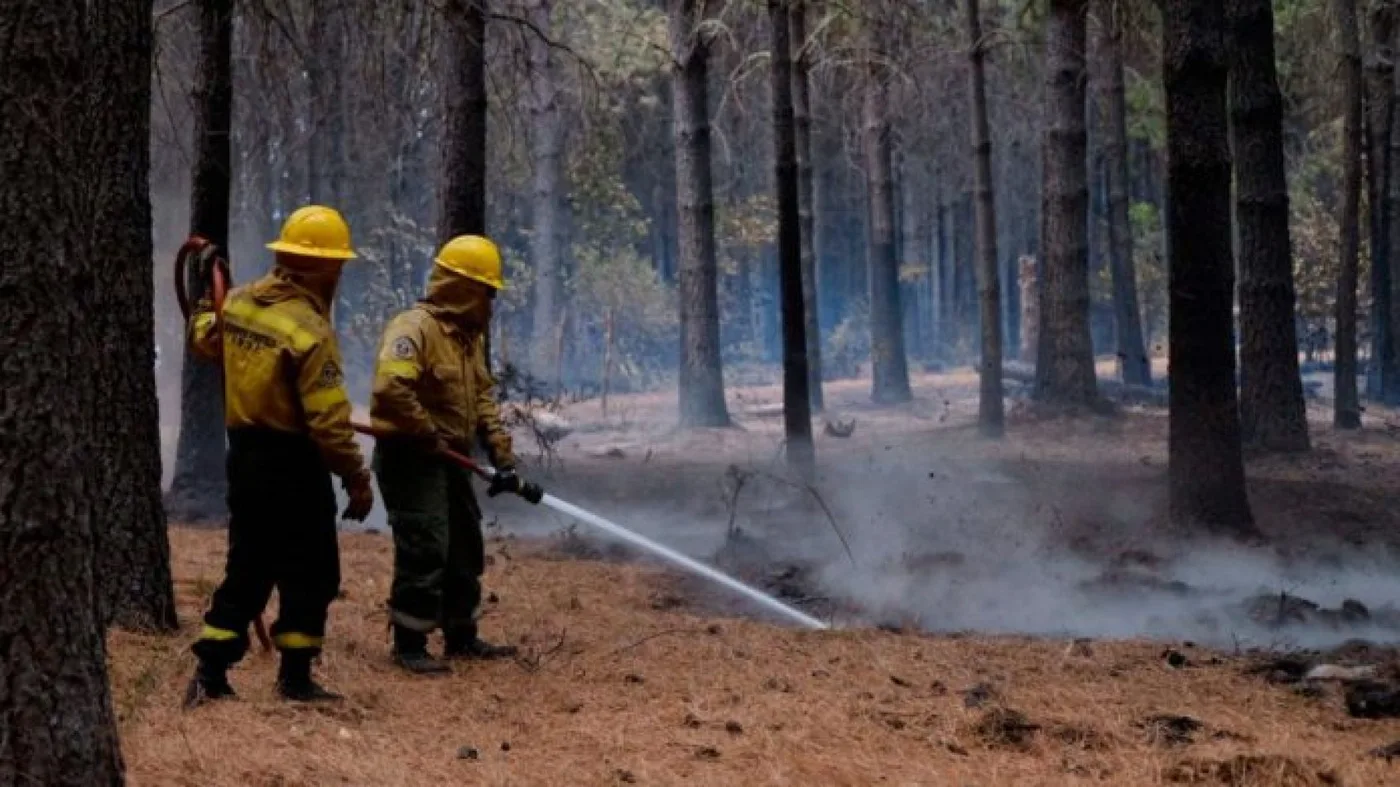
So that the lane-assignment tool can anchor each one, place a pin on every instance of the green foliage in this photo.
(848, 344)
(745, 228)
(1151, 269)
(1147, 111)
(623, 289)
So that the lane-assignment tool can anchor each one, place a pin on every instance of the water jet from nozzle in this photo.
(673, 556)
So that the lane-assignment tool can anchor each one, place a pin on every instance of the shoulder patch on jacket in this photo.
(329, 376)
(403, 349)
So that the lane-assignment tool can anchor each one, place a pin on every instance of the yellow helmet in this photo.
(474, 257)
(315, 231)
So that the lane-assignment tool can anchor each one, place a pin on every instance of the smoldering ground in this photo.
(927, 535)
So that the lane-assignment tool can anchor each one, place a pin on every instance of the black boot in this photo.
(465, 645)
(294, 679)
(210, 682)
(411, 653)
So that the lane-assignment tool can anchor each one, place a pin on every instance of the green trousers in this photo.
(439, 550)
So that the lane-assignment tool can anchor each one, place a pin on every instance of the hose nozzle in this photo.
(531, 491)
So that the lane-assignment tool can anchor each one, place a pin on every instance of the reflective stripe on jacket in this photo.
(282, 367)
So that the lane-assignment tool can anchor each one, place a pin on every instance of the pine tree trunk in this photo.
(134, 582)
(462, 189)
(1392, 226)
(1380, 103)
(990, 417)
(325, 135)
(462, 198)
(198, 486)
(1273, 415)
(1347, 405)
(547, 152)
(944, 332)
(802, 118)
(74, 329)
(889, 367)
(1029, 282)
(1065, 356)
(1127, 316)
(1206, 464)
(797, 413)
(701, 370)
(607, 357)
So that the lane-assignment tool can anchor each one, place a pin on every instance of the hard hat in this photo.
(315, 231)
(474, 257)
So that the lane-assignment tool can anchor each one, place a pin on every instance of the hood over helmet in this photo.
(458, 300)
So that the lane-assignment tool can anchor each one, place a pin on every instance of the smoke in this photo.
(953, 542)
(972, 546)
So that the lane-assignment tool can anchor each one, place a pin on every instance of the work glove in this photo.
(504, 481)
(361, 492)
(507, 481)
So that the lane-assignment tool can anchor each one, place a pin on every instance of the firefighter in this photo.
(288, 422)
(433, 390)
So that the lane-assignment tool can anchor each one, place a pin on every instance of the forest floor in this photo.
(1159, 657)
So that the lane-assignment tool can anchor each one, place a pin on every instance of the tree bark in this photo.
(1381, 377)
(325, 136)
(135, 584)
(1065, 356)
(990, 415)
(1273, 415)
(74, 329)
(1132, 353)
(462, 199)
(547, 152)
(1347, 403)
(802, 118)
(1206, 463)
(890, 371)
(1391, 207)
(198, 486)
(797, 413)
(1029, 282)
(462, 189)
(701, 370)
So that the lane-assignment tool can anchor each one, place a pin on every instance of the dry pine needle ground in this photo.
(613, 691)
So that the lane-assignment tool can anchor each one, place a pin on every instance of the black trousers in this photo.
(282, 534)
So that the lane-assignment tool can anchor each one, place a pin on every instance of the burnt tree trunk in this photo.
(1065, 356)
(1391, 206)
(74, 328)
(802, 119)
(1347, 403)
(1206, 463)
(889, 367)
(325, 137)
(701, 370)
(198, 485)
(1132, 352)
(462, 199)
(1273, 415)
(990, 415)
(1381, 376)
(797, 412)
(547, 152)
(462, 189)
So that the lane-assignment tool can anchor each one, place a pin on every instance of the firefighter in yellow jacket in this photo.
(432, 389)
(288, 422)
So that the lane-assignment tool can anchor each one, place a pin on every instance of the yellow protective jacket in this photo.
(282, 367)
(430, 376)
